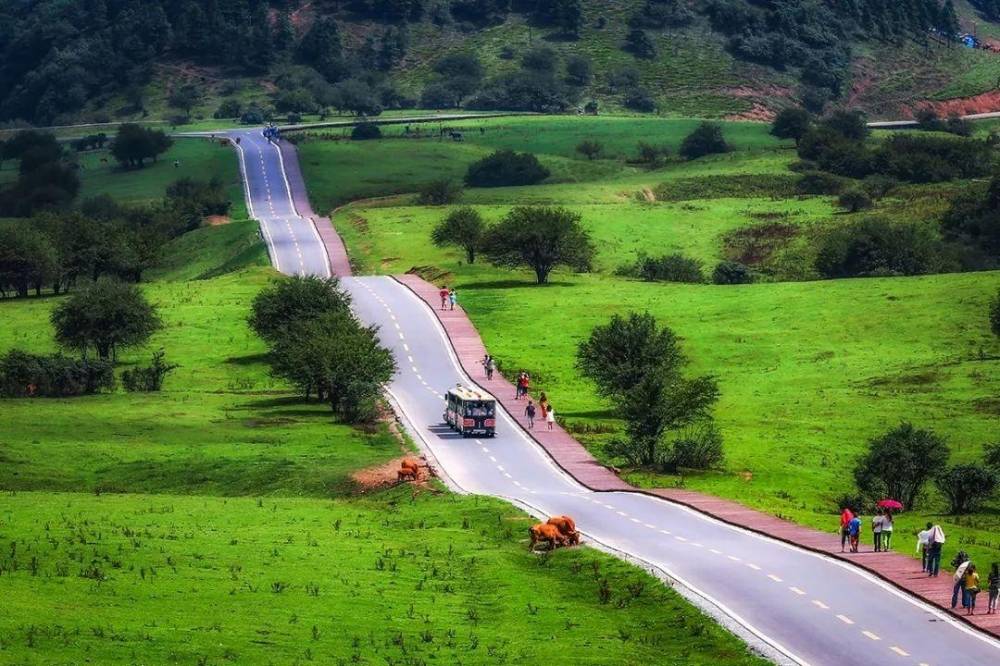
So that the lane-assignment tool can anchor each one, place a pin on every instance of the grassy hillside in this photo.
(223, 520)
(808, 371)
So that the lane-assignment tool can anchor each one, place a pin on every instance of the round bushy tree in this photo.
(732, 272)
(463, 228)
(540, 238)
(900, 462)
(505, 168)
(966, 486)
(108, 315)
(706, 139)
(366, 131)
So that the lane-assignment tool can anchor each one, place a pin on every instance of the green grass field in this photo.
(809, 371)
(402, 578)
(219, 519)
(199, 159)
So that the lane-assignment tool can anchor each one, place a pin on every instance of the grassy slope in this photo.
(399, 579)
(130, 525)
(809, 371)
(199, 159)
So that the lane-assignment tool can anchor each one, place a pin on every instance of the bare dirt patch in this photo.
(217, 220)
(988, 102)
(756, 244)
(387, 474)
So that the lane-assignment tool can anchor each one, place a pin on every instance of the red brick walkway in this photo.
(895, 568)
(340, 265)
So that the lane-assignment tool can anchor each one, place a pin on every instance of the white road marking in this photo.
(680, 538)
(845, 619)
(870, 635)
(500, 467)
(753, 566)
(820, 604)
(667, 532)
(414, 368)
(734, 558)
(900, 651)
(621, 513)
(652, 527)
(635, 520)
(493, 459)
(796, 590)
(713, 550)
(406, 348)
(776, 579)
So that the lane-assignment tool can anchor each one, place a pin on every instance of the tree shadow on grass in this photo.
(510, 284)
(249, 359)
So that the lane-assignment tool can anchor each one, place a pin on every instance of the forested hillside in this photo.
(65, 61)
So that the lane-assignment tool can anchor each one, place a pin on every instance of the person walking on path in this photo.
(854, 531)
(887, 530)
(993, 585)
(845, 520)
(550, 417)
(924, 547)
(444, 296)
(936, 541)
(529, 411)
(961, 564)
(543, 404)
(523, 382)
(490, 366)
(519, 385)
(877, 522)
(970, 589)
(452, 298)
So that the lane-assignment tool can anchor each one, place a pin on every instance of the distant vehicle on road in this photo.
(470, 412)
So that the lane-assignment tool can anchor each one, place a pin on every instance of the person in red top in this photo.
(846, 516)
(444, 293)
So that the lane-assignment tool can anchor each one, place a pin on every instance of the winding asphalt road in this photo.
(800, 606)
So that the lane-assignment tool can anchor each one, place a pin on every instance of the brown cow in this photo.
(406, 474)
(546, 532)
(410, 463)
(566, 527)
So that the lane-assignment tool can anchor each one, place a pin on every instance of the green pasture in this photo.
(401, 577)
(200, 159)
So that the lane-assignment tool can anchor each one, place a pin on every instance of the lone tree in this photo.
(540, 238)
(706, 139)
(900, 462)
(791, 123)
(134, 144)
(589, 148)
(637, 365)
(462, 228)
(108, 315)
(505, 168)
(290, 301)
(439, 192)
(854, 200)
(966, 486)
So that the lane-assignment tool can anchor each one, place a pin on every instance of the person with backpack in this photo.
(993, 585)
(529, 411)
(961, 563)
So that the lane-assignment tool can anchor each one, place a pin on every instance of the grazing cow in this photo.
(456, 136)
(566, 527)
(547, 533)
(406, 474)
(410, 463)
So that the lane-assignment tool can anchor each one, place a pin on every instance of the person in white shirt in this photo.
(924, 546)
(877, 531)
(887, 530)
(936, 540)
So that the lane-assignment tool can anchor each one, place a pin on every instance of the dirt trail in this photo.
(987, 102)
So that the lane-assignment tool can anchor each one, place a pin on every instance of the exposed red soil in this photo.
(217, 220)
(385, 475)
(961, 106)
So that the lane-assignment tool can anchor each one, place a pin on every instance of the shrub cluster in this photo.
(506, 168)
(666, 268)
(24, 375)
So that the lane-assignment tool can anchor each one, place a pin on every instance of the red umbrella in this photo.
(890, 504)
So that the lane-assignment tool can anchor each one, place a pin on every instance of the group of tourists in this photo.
(967, 584)
(548, 414)
(930, 542)
(490, 366)
(448, 297)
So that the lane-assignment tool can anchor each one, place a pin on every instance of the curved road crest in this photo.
(809, 608)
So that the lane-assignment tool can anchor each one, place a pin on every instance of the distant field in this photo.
(199, 159)
(343, 170)
(809, 371)
(398, 578)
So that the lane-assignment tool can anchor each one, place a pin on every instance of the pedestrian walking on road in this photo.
(854, 532)
(543, 404)
(970, 589)
(924, 547)
(845, 520)
(993, 584)
(490, 366)
(887, 530)
(443, 293)
(877, 522)
(452, 298)
(936, 541)
(529, 411)
(550, 417)
(961, 563)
